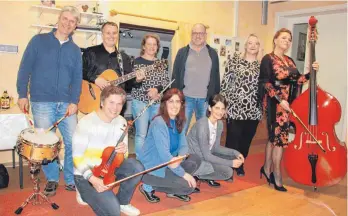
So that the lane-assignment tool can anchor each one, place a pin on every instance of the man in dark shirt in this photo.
(105, 56)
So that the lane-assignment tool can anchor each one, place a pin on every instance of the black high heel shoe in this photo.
(272, 179)
(262, 171)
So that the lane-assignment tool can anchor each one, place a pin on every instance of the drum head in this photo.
(40, 137)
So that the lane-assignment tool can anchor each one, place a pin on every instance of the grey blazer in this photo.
(198, 143)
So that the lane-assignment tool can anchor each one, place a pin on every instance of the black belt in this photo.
(282, 82)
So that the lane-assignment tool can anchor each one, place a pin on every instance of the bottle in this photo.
(5, 101)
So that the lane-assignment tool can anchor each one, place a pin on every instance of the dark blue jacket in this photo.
(179, 71)
(156, 149)
(53, 70)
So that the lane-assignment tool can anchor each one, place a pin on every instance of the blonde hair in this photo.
(73, 10)
(259, 54)
(143, 42)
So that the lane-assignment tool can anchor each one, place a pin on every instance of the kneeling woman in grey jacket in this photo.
(204, 141)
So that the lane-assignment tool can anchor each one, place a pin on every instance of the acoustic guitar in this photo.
(90, 92)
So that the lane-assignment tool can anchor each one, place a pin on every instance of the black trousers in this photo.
(240, 133)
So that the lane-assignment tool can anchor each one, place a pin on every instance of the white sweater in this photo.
(91, 137)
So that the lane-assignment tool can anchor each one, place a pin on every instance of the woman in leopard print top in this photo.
(148, 89)
(240, 87)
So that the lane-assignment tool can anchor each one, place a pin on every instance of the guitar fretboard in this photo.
(131, 75)
(124, 78)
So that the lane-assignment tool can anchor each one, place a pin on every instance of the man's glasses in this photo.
(199, 34)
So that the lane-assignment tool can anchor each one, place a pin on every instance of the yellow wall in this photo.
(17, 16)
(217, 15)
(250, 17)
(16, 19)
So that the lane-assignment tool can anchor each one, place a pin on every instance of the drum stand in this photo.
(35, 196)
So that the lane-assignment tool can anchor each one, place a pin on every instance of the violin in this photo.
(315, 157)
(111, 160)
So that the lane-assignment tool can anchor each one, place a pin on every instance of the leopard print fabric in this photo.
(154, 78)
(240, 88)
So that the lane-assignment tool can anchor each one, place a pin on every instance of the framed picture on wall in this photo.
(301, 46)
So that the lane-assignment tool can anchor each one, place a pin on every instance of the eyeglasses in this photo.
(171, 102)
(199, 34)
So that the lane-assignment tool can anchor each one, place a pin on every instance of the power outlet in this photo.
(8, 48)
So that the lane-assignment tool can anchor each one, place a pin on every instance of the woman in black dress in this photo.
(278, 76)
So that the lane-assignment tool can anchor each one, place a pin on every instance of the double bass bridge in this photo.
(310, 141)
(307, 141)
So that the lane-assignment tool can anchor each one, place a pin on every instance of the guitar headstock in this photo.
(313, 32)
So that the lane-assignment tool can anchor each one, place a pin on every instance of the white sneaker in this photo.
(129, 210)
(79, 199)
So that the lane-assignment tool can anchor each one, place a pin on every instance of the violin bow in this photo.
(31, 121)
(304, 126)
(130, 123)
(113, 184)
(153, 101)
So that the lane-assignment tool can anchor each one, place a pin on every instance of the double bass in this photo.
(315, 157)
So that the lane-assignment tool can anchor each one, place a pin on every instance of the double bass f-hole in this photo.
(304, 138)
(328, 142)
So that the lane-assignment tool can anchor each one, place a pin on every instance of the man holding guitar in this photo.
(96, 131)
(97, 62)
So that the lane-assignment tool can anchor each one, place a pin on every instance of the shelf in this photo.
(52, 27)
(86, 14)
(89, 32)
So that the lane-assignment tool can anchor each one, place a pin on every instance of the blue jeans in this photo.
(198, 106)
(107, 203)
(45, 115)
(142, 124)
(171, 183)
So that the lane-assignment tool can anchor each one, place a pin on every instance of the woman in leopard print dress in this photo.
(148, 89)
(240, 87)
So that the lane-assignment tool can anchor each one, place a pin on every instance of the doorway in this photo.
(331, 52)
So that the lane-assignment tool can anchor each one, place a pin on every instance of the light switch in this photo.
(8, 48)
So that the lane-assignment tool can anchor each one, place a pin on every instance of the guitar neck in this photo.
(131, 75)
(124, 78)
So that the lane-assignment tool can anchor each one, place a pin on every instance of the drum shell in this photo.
(36, 153)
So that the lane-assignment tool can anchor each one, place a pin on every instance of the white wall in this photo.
(331, 53)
